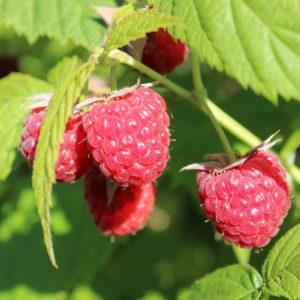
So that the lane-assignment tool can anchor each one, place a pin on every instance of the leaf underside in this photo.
(59, 110)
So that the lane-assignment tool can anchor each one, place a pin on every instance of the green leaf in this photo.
(133, 26)
(13, 91)
(230, 283)
(58, 113)
(256, 42)
(281, 269)
(60, 72)
(61, 19)
(123, 11)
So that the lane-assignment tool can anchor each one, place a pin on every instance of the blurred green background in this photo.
(175, 248)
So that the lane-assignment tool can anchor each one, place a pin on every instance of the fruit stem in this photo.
(113, 78)
(124, 58)
(201, 96)
(223, 118)
(264, 294)
(242, 255)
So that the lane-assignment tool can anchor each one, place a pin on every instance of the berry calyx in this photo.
(128, 136)
(74, 158)
(248, 200)
(126, 212)
(162, 53)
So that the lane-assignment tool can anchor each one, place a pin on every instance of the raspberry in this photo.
(247, 203)
(246, 200)
(162, 53)
(74, 158)
(128, 136)
(129, 208)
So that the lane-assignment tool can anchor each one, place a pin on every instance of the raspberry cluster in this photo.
(121, 144)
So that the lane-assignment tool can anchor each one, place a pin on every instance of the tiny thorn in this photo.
(86, 102)
(209, 166)
(112, 239)
(152, 84)
(206, 221)
(189, 167)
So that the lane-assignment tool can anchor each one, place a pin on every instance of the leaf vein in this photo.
(282, 67)
(248, 60)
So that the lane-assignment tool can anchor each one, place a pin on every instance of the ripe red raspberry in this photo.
(162, 53)
(128, 136)
(129, 209)
(248, 200)
(74, 157)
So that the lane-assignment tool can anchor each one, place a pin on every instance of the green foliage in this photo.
(124, 10)
(106, 3)
(61, 71)
(58, 113)
(178, 245)
(231, 283)
(63, 20)
(29, 275)
(281, 269)
(281, 275)
(13, 92)
(256, 42)
(135, 25)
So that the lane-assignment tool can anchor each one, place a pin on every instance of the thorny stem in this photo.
(200, 94)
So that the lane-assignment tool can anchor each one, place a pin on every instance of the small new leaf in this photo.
(281, 269)
(135, 25)
(52, 130)
(235, 282)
